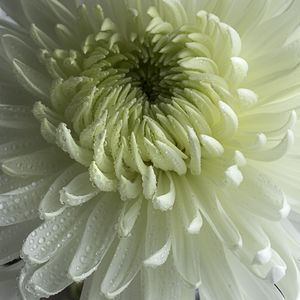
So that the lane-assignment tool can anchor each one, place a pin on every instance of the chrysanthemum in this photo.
(151, 147)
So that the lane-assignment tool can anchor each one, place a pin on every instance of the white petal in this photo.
(97, 238)
(92, 285)
(165, 196)
(20, 146)
(25, 275)
(237, 71)
(195, 152)
(16, 48)
(39, 163)
(157, 244)
(217, 277)
(128, 216)
(229, 124)
(215, 214)
(253, 287)
(42, 39)
(258, 194)
(129, 189)
(50, 206)
(44, 242)
(134, 291)
(62, 13)
(16, 116)
(78, 190)
(32, 80)
(273, 271)
(256, 247)
(234, 176)
(66, 141)
(277, 152)
(8, 183)
(15, 11)
(213, 148)
(185, 245)
(11, 239)
(56, 269)
(186, 207)
(101, 180)
(127, 261)
(21, 204)
(164, 283)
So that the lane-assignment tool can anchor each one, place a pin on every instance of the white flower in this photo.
(166, 153)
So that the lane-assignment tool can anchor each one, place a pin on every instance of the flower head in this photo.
(150, 147)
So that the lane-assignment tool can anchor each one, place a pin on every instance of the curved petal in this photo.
(97, 237)
(128, 256)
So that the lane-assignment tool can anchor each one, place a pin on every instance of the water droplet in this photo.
(83, 259)
(41, 240)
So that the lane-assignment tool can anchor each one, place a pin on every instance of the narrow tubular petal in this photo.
(8, 183)
(41, 38)
(128, 216)
(50, 205)
(213, 211)
(78, 190)
(97, 238)
(157, 243)
(21, 204)
(277, 152)
(62, 13)
(129, 189)
(233, 176)
(212, 147)
(15, 11)
(67, 143)
(237, 71)
(166, 194)
(255, 287)
(195, 152)
(218, 281)
(273, 271)
(92, 287)
(185, 244)
(45, 241)
(164, 283)
(25, 275)
(283, 23)
(269, 201)
(16, 116)
(39, 163)
(129, 256)
(135, 290)
(32, 80)
(20, 146)
(11, 238)
(256, 247)
(101, 180)
(186, 207)
(229, 125)
(36, 12)
(289, 284)
(16, 48)
(56, 268)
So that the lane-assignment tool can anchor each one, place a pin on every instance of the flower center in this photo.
(149, 78)
(138, 107)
